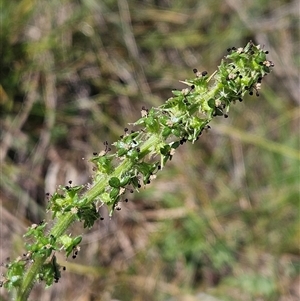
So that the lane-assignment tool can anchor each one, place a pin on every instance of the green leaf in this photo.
(152, 123)
(114, 182)
(166, 132)
(104, 164)
(211, 103)
(122, 151)
(124, 181)
(71, 244)
(165, 150)
(144, 168)
(175, 144)
(114, 193)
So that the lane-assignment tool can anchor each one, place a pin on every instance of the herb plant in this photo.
(133, 161)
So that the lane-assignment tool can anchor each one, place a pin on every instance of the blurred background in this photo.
(221, 221)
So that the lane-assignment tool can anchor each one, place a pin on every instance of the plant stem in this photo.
(182, 118)
(64, 222)
(29, 279)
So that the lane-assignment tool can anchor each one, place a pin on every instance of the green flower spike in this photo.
(138, 156)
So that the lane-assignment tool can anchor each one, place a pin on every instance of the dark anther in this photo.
(240, 99)
(70, 182)
(233, 48)
(259, 80)
(107, 149)
(257, 94)
(131, 191)
(251, 93)
(64, 268)
(75, 253)
(246, 88)
(148, 182)
(138, 149)
(121, 136)
(158, 167)
(266, 52)
(139, 185)
(125, 130)
(195, 70)
(183, 140)
(228, 49)
(101, 218)
(126, 200)
(218, 112)
(67, 187)
(225, 115)
(95, 154)
(192, 87)
(240, 76)
(204, 73)
(47, 194)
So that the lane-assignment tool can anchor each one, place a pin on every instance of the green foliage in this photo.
(93, 56)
